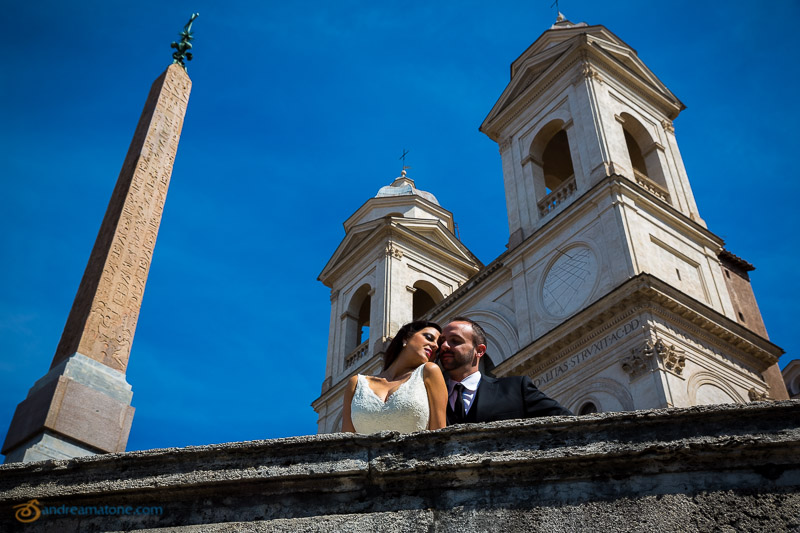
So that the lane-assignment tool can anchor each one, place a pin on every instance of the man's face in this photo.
(457, 353)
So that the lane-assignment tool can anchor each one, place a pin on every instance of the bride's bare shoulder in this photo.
(431, 370)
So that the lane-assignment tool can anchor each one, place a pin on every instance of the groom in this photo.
(477, 398)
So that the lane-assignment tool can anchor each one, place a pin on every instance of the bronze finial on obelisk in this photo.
(82, 405)
(182, 48)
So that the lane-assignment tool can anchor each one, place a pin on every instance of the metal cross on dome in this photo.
(403, 157)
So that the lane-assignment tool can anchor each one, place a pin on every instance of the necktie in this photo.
(458, 409)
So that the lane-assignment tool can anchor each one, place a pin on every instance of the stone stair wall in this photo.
(712, 468)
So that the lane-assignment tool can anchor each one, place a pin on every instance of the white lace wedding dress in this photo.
(406, 410)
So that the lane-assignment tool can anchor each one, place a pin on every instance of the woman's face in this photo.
(423, 345)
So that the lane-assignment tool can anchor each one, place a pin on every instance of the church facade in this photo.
(613, 294)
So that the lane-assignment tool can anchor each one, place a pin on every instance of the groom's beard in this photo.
(452, 360)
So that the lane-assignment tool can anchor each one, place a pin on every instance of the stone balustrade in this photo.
(651, 186)
(557, 196)
(711, 468)
(356, 354)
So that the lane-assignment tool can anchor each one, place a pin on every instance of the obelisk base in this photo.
(46, 446)
(81, 407)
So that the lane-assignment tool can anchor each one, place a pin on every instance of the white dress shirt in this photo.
(470, 387)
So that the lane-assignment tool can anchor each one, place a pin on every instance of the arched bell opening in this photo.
(425, 298)
(357, 319)
(552, 168)
(557, 162)
(644, 154)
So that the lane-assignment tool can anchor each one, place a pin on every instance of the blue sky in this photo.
(298, 114)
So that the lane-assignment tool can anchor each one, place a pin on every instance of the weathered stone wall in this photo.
(721, 468)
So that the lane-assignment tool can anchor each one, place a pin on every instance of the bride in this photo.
(409, 395)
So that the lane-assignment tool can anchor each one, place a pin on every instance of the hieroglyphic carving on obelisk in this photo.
(82, 405)
(103, 318)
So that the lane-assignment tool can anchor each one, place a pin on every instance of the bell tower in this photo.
(398, 259)
(582, 106)
(613, 295)
(622, 297)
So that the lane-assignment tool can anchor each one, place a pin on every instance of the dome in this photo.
(563, 23)
(404, 186)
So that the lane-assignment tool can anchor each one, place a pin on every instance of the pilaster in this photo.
(519, 224)
(675, 161)
(592, 130)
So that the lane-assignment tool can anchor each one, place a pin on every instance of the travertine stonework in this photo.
(399, 246)
(718, 468)
(613, 294)
(103, 318)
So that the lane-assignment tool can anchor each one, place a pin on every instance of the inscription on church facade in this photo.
(592, 350)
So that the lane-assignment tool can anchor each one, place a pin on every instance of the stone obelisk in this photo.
(82, 406)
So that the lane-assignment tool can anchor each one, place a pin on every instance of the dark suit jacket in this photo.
(508, 398)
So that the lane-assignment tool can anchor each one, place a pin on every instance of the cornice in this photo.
(736, 261)
(585, 49)
(577, 331)
(640, 293)
(617, 183)
(501, 278)
(537, 46)
(333, 267)
(655, 205)
(561, 219)
(746, 365)
(709, 326)
(468, 261)
(393, 228)
(638, 84)
(493, 126)
(468, 286)
(406, 199)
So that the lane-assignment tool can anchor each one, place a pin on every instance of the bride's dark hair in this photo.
(405, 333)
